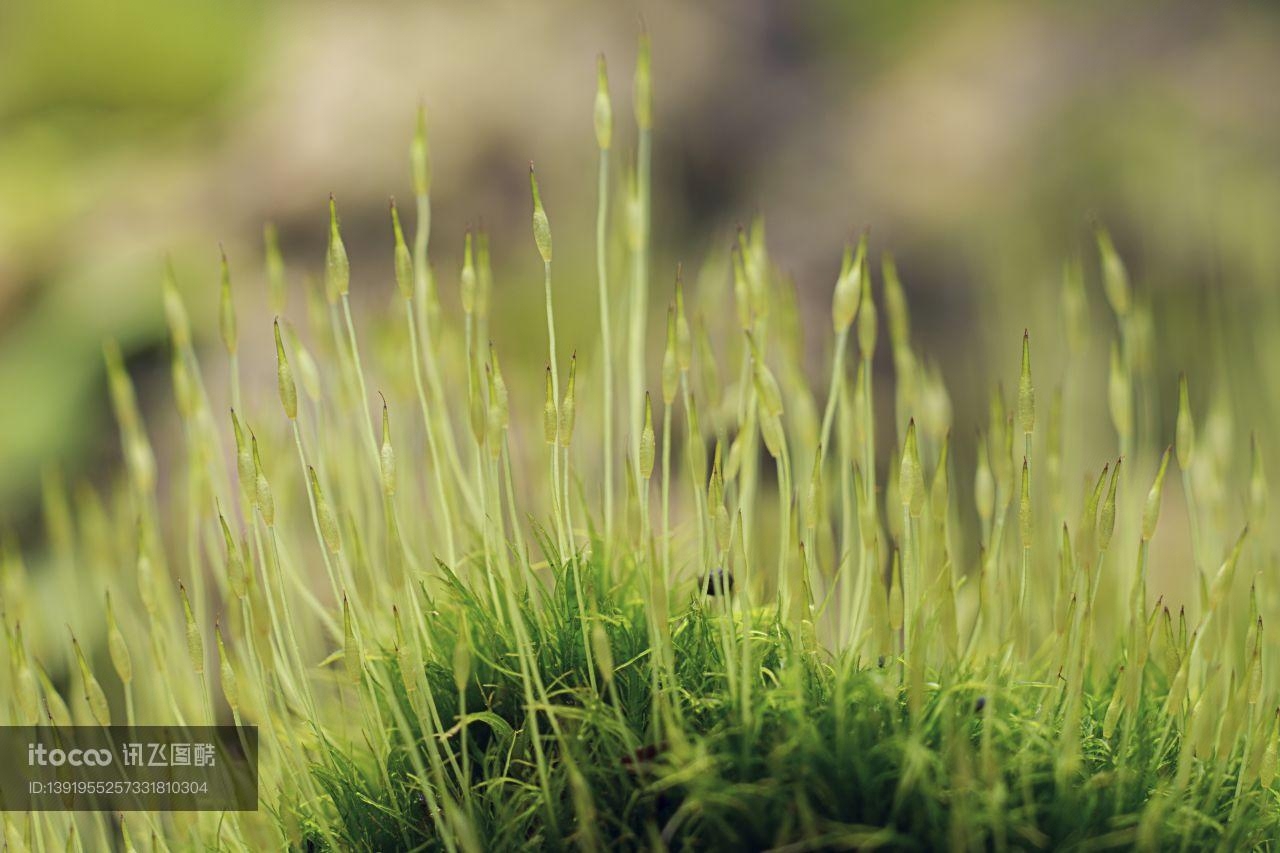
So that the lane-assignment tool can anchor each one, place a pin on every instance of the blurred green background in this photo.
(978, 140)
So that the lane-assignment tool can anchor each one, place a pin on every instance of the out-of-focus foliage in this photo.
(100, 103)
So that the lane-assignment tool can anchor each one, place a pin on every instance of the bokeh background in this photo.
(978, 140)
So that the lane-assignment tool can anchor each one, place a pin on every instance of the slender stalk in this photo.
(784, 529)
(910, 558)
(833, 395)
(509, 484)
(233, 367)
(299, 675)
(421, 339)
(869, 433)
(639, 289)
(747, 432)
(437, 466)
(1193, 524)
(371, 434)
(694, 449)
(568, 502)
(315, 518)
(555, 394)
(606, 341)
(583, 620)
(422, 294)
(666, 496)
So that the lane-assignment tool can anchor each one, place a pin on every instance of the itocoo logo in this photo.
(38, 753)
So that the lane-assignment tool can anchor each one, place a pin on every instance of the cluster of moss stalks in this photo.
(713, 608)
